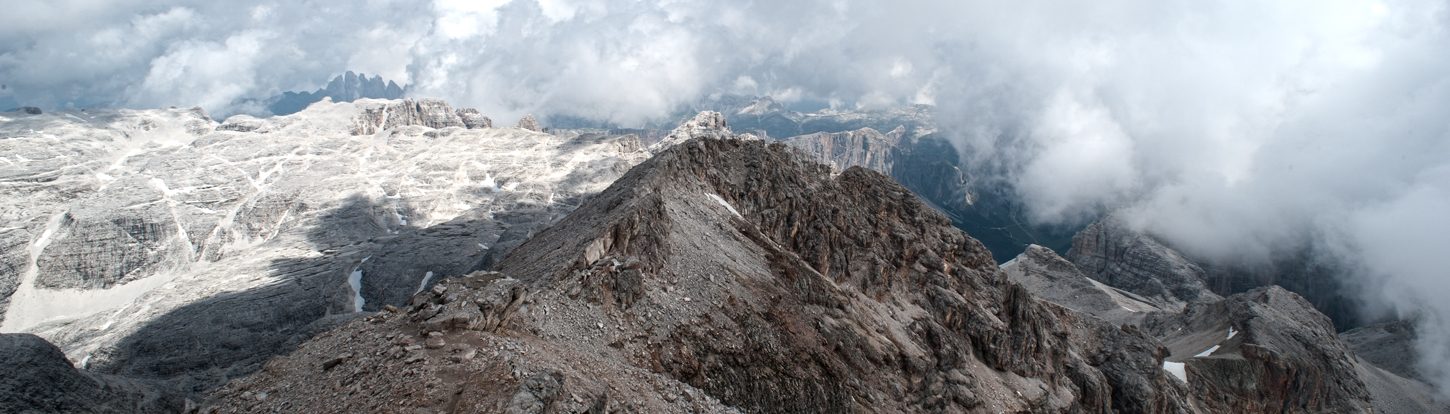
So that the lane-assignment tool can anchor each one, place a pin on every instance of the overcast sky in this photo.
(1230, 128)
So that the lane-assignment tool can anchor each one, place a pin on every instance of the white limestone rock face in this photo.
(124, 233)
(472, 119)
(707, 124)
(528, 122)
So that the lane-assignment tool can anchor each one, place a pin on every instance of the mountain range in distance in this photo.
(404, 255)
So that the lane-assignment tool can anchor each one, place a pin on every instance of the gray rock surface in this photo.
(127, 233)
(1110, 252)
(1387, 345)
(864, 147)
(751, 272)
(35, 377)
(1051, 278)
(1269, 351)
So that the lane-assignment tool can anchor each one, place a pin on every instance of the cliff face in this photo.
(1111, 253)
(863, 147)
(1054, 279)
(738, 275)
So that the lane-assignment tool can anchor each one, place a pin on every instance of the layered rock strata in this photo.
(1110, 252)
(1054, 279)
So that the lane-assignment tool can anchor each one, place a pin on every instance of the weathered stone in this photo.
(528, 122)
(1263, 351)
(1112, 253)
(1054, 279)
(472, 119)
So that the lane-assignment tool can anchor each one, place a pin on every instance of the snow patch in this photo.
(426, 277)
(77, 118)
(355, 281)
(489, 182)
(1231, 333)
(1208, 352)
(1176, 368)
(723, 203)
(481, 246)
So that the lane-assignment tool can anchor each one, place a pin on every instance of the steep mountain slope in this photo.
(1054, 279)
(35, 377)
(1112, 253)
(752, 274)
(1266, 350)
(161, 244)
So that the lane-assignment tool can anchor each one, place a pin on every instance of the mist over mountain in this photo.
(1252, 135)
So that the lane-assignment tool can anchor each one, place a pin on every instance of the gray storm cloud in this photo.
(1232, 129)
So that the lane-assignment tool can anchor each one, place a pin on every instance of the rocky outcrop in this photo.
(1051, 278)
(707, 124)
(432, 113)
(472, 119)
(864, 147)
(1263, 351)
(461, 347)
(528, 122)
(1112, 253)
(129, 232)
(35, 377)
(728, 274)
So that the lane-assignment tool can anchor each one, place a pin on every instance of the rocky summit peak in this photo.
(706, 124)
(726, 275)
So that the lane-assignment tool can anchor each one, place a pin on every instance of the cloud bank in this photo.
(1232, 129)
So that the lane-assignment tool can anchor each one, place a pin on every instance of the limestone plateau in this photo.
(406, 257)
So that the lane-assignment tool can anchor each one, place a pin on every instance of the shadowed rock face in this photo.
(1110, 252)
(35, 377)
(752, 275)
(1388, 345)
